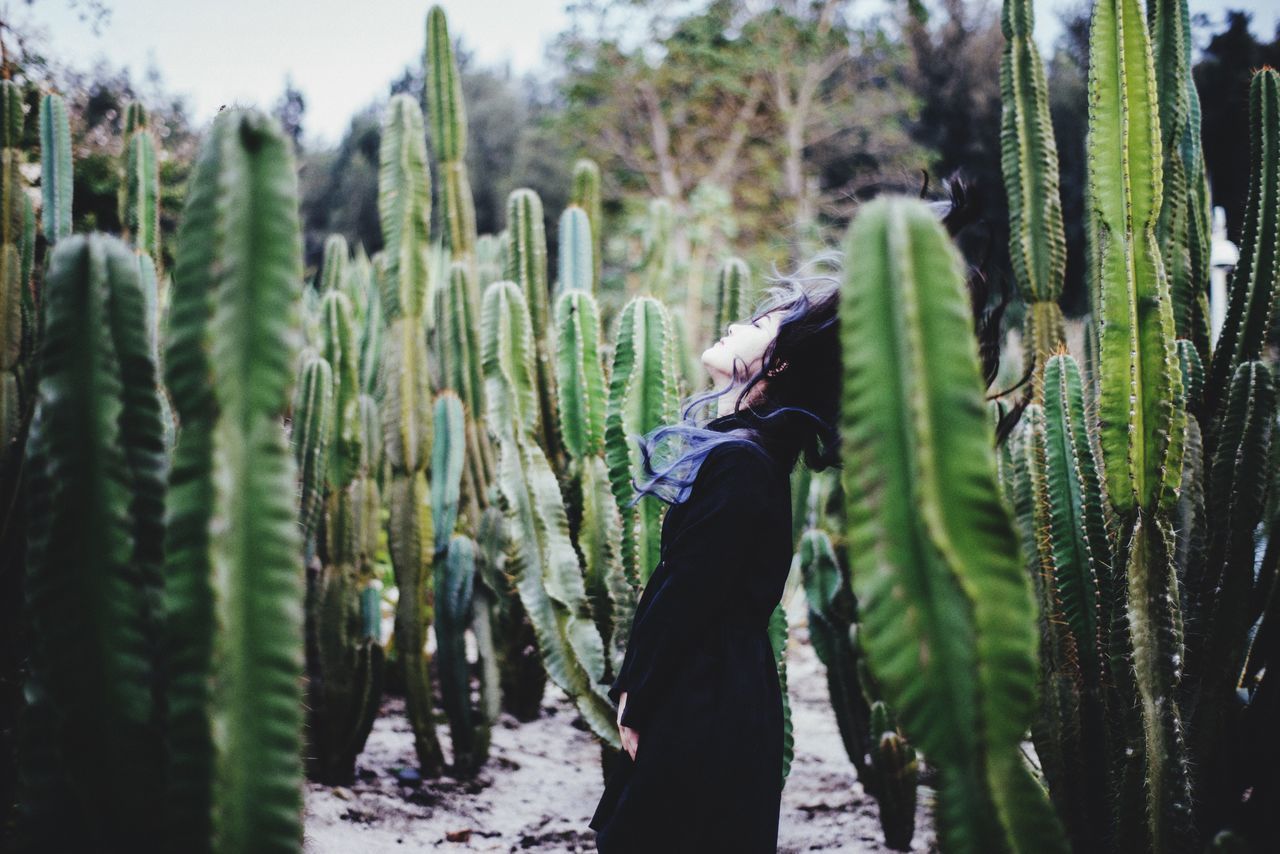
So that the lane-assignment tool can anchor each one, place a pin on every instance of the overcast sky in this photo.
(342, 54)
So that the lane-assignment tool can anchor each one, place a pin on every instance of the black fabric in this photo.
(702, 687)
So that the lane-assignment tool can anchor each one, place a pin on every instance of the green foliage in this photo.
(234, 585)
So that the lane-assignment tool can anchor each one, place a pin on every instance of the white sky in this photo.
(342, 54)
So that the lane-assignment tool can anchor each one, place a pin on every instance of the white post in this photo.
(1222, 259)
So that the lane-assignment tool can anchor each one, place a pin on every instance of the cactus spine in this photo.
(92, 746)
(404, 202)
(233, 570)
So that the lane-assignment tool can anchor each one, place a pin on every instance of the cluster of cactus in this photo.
(885, 761)
(337, 445)
(184, 572)
(1099, 579)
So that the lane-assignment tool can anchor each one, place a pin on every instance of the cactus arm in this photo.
(1140, 405)
(947, 610)
(312, 423)
(55, 168)
(448, 455)
(1029, 158)
(449, 136)
(576, 266)
(580, 374)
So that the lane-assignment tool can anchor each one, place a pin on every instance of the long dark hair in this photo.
(799, 409)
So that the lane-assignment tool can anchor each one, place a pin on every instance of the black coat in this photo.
(702, 687)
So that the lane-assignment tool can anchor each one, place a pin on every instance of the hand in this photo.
(630, 738)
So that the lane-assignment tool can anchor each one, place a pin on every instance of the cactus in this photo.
(898, 771)
(12, 285)
(447, 458)
(344, 659)
(947, 611)
(92, 748)
(659, 265)
(577, 269)
(312, 424)
(778, 633)
(235, 634)
(140, 185)
(1182, 228)
(333, 266)
(55, 168)
(449, 138)
(586, 195)
(1029, 159)
(642, 396)
(594, 521)
(1142, 419)
(527, 267)
(732, 285)
(455, 585)
(404, 202)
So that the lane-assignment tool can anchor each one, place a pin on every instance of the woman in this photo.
(700, 708)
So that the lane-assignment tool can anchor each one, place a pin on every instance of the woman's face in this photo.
(744, 346)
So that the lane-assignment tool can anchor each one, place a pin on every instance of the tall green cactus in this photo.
(1029, 158)
(233, 567)
(586, 194)
(344, 663)
(55, 168)
(733, 283)
(140, 184)
(449, 138)
(642, 396)
(1140, 404)
(593, 514)
(334, 263)
(548, 575)
(947, 610)
(92, 748)
(404, 203)
(527, 267)
(1182, 229)
(312, 424)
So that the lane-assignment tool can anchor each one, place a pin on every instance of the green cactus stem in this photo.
(92, 748)
(233, 553)
(586, 194)
(140, 185)
(732, 284)
(55, 168)
(947, 611)
(404, 203)
(577, 269)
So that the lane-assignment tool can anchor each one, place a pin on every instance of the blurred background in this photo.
(764, 123)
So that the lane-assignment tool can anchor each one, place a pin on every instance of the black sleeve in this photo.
(703, 560)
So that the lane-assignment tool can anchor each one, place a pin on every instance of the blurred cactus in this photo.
(234, 586)
(333, 264)
(15, 303)
(312, 424)
(587, 195)
(897, 772)
(947, 613)
(404, 203)
(140, 184)
(658, 269)
(732, 284)
(55, 168)
(92, 748)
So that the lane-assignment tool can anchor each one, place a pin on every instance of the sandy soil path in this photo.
(543, 781)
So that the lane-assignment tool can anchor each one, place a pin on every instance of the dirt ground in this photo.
(543, 780)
